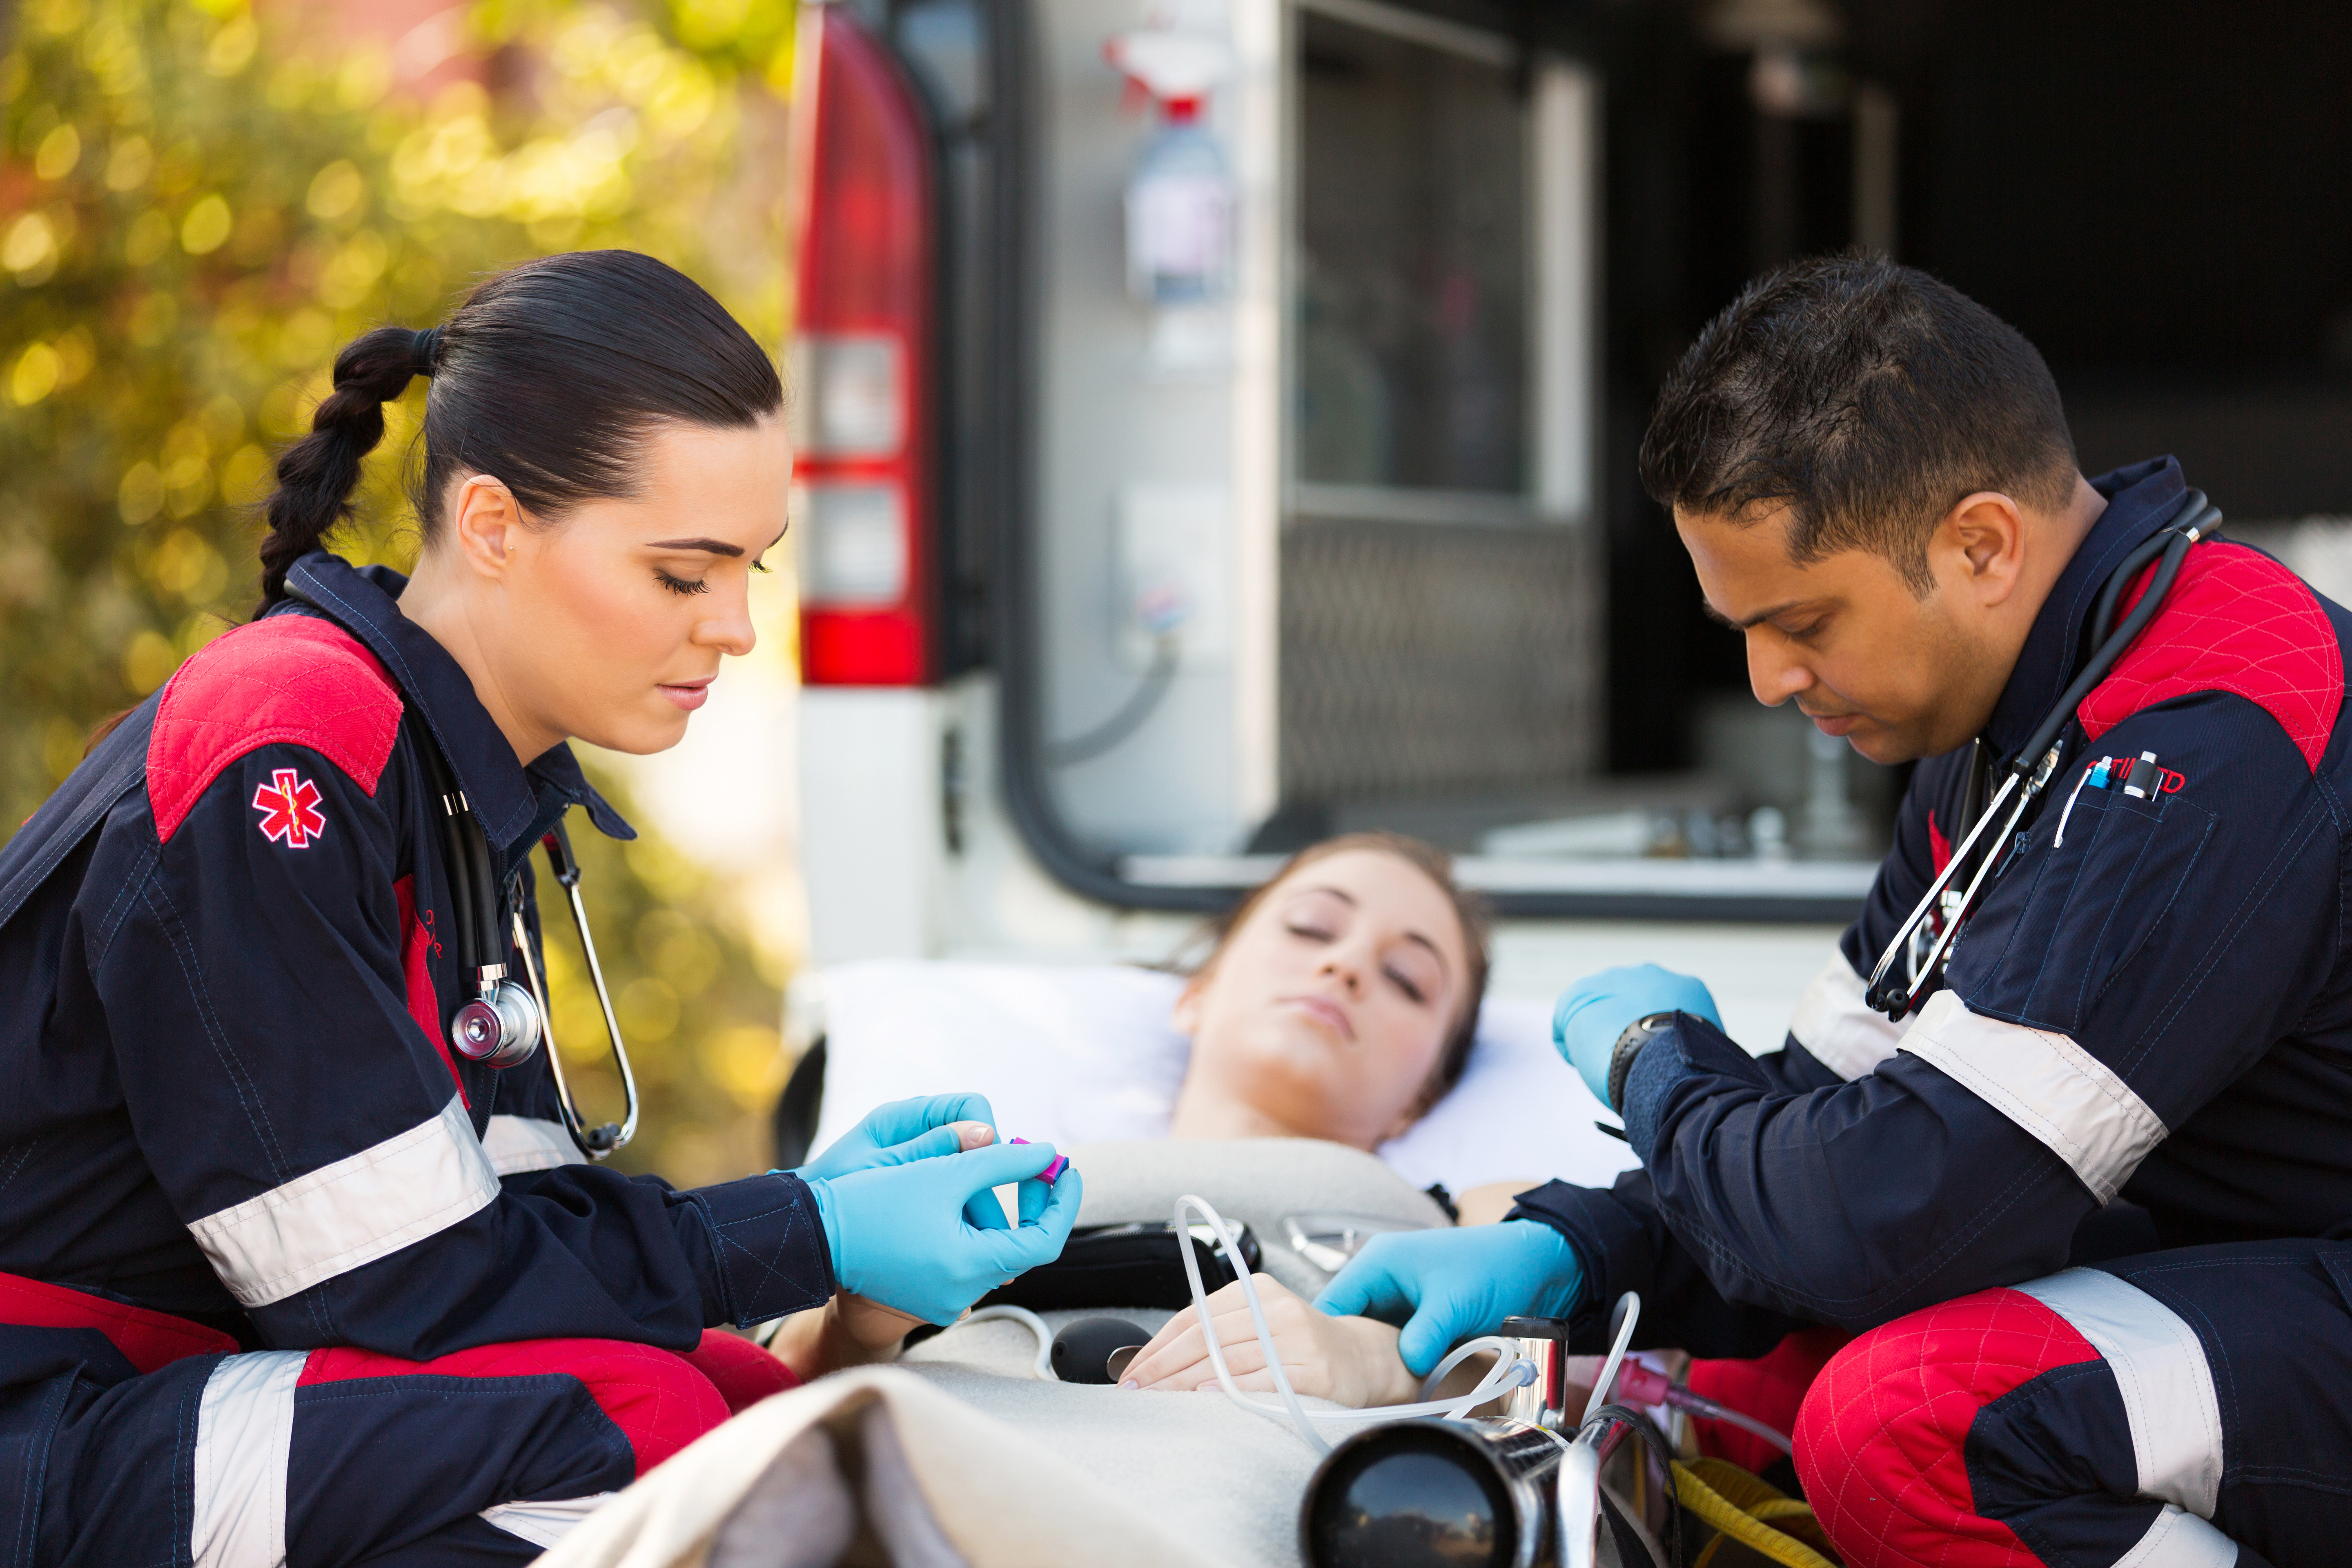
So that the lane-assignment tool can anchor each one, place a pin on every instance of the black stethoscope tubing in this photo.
(517, 1017)
(2191, 518)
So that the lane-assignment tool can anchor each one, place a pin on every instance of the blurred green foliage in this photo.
(198, 205)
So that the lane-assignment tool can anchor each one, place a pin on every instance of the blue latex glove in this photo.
(902, 1131)
(1597, 1009)
(904, 1234)
(1446, 1286)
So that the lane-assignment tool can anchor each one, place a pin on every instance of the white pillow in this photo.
(1086, 1055)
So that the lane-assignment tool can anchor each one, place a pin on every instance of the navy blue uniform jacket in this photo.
(2153, 1002)
(224, 1022)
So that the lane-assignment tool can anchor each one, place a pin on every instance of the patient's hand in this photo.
(1350, 1360)
(848, 1331)
(870, 1325)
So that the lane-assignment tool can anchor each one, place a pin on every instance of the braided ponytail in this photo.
(317, 474)
(550, 376)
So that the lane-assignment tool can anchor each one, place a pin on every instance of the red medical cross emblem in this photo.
(289, 809)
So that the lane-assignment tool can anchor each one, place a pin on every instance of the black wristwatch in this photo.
(1629, 1046)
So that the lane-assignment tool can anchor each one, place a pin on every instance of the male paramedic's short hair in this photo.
(1865, 397)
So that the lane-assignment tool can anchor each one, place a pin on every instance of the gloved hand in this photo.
(1597, 1009)
(906, 1236)
(906, 1129)
(1447, 1285)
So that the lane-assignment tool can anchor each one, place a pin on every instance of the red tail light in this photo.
(862, 361)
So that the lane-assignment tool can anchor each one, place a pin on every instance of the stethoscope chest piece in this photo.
(500, 1029)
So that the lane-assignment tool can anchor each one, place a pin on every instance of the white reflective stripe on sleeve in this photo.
(245, 1430)
(353, 1212)
(547, 1523)
(2159, 1365)
(2047, 1084)
(2178, 1540)
(1844, 1034)
(528, 1143)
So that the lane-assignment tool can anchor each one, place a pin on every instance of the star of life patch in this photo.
(289, 810)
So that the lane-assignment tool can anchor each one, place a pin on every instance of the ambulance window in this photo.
(1413, 281)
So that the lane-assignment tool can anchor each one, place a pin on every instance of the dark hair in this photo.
(548, 377)
(1867, 398)
(1469, 909)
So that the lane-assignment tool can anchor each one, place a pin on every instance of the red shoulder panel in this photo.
(292, 679)
(2235, 621)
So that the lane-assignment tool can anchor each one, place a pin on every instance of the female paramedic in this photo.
(298, 1260)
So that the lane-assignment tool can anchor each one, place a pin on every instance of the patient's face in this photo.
(1325, 1011)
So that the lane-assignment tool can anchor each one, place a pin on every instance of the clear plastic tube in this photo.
(1044, 1365)
(1506, 1374)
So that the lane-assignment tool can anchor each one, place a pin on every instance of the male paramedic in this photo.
(2138, 1059)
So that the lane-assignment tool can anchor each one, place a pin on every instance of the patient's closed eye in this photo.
(1415, 989)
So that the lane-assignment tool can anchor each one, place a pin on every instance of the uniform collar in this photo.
(2139, 498)
(515, 805)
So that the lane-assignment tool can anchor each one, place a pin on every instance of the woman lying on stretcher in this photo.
(1338, 1001)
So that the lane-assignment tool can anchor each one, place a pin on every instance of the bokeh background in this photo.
(200, 201)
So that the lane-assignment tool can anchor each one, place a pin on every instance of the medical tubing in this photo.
(2202, 517)
(470, 953)
(628, 1126)
(1638, 1384)
(1506, 1374)
(1044, 1365)
(1622, 1317)
(1707, 1409)
(1461, 1353)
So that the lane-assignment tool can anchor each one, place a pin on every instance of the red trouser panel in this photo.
(147, 1339)
(658, 1401)
(743, 1374)
(1770, 1388)
(1882, 1438)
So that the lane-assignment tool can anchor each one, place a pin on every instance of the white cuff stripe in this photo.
(245, 1432)
(2178, 1540)
(2167, 1388)
(351, 1212)
(544, 1523)
(518, 1144)
(2048, 1085)
(1843, 1032)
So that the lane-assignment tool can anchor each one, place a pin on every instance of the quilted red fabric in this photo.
(657, 1401)
(743, 1374)
(2235, 621)
(291, 679)
(417, 946)
(1882, 1440)
(1770, 1388)
(148, 1339)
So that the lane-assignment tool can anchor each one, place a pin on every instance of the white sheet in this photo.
(1086, 1055)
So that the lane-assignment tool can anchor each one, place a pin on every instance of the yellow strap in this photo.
(1743, 1519)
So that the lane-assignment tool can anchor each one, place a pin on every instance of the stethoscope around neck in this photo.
(1913, 959)
(505, 1022)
